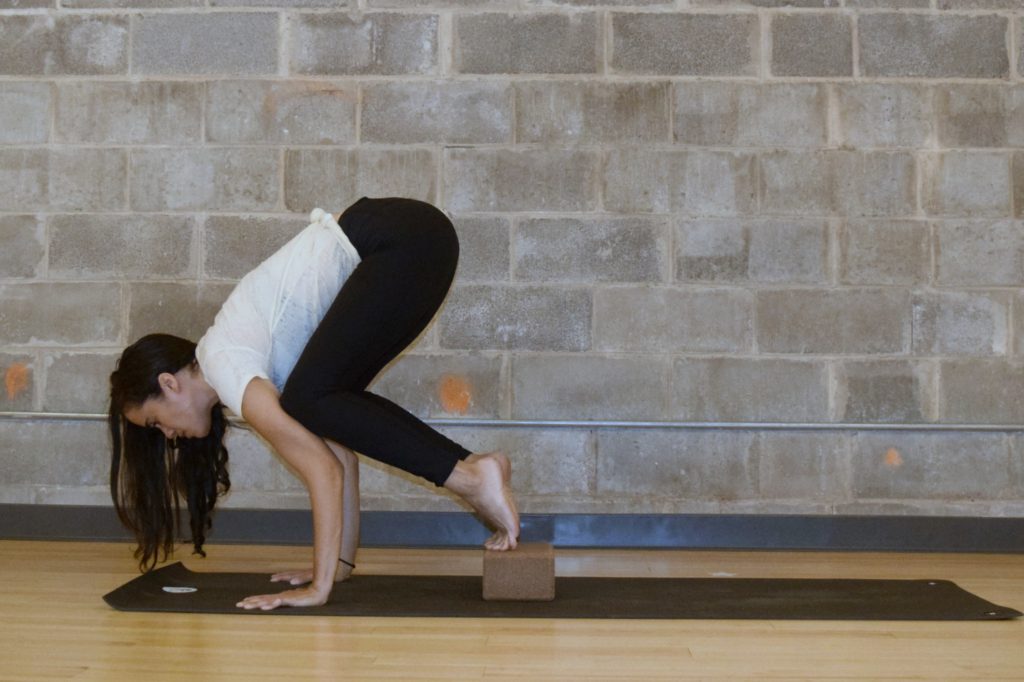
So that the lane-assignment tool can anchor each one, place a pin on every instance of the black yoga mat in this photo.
(461, 596)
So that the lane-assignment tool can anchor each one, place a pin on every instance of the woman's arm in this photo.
(350, 504)
(350, 521)
(323, 475)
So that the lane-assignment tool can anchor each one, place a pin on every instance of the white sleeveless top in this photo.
(265, 323)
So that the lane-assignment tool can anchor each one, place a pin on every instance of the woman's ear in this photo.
(168, 382)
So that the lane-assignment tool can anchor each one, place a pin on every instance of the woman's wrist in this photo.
(321, 590)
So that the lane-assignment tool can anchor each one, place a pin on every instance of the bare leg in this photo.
(482, 479)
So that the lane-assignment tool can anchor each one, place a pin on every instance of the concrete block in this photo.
(966, 183)
(526, 573)
(134, 246)
(1018, 322)
(24, 240)
(234, 245)
(483, 249)
(572, 387)
(521, 180)
(896, 252)
(979, 253)
(697, 183)
(335, 43)
(196, 179)
(803, 465)
(51, 313)
(206, 43)
(25, 112)
(77, 382)
(73, 44)
(786, 4)
(551, 112)
(443, 386)
(889, 4)
(700, 465)
(971, 507)
(895, 391)
(858, 320)
(974, 115)
(685, 44)
(947, 466)
(273, 112)
(591, 250)
(933, 45)
(185, 310)
(147, 112)
(337, 177)
(1017, 464)
(669, 320)
(714, 250)
(621, 503)
(1018, 184)
(73, 178)
(24, 179)
(480, 316)
(981, 391)
(741, 389)
(951, 323)
(26, 4)
(791, 251)
(535, 42)
(750, 115)
(55, 453)
(1020, 46)
(88, 179)
(810, 44)
(444, 4)
(884, 114)
(1014, 103)
(835, 182)
(19, 382)
(446, 112)
(134, 4)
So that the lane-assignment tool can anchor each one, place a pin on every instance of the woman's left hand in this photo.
(303, 596)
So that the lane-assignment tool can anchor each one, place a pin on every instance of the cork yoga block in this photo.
(526, 573)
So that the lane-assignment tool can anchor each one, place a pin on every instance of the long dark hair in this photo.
(149, 472)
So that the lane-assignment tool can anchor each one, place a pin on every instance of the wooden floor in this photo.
(56, 626)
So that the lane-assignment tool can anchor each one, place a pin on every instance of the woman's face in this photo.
(180, 411)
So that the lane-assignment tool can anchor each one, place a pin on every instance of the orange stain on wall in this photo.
(16, 380)
(893, 459)
(455, 393)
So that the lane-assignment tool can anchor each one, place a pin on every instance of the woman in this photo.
(292, 350)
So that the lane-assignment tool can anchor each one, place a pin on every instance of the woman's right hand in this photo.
(305, 575)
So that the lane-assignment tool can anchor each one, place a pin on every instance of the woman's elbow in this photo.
(345, 456)
(329, 473)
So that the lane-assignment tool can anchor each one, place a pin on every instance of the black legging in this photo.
(409, 251)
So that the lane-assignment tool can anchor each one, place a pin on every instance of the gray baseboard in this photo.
(646, 531)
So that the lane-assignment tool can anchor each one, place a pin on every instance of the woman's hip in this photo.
(399, 223)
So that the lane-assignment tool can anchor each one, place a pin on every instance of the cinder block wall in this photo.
(692, 210)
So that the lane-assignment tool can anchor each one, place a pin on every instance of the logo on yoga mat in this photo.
(179, 590)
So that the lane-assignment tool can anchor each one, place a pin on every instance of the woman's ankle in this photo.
(463, 478)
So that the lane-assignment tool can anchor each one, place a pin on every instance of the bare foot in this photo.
(482, 480)
(506, 475)
(499, 541)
